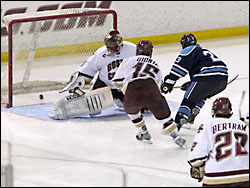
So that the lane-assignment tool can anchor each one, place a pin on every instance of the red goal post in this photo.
(46, 39)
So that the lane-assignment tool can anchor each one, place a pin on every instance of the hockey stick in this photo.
(241, 101)
(229, 82)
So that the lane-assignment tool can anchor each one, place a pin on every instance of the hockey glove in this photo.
(185, 86)
(197, 172)
(166, 88)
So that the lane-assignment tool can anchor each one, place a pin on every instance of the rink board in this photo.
(41, 111)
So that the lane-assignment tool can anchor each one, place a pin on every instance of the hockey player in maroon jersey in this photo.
(139, 77)
(220, 152)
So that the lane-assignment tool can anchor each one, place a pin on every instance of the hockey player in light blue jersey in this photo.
(208, 75)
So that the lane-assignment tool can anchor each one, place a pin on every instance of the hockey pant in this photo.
(196, 96)
(117, 95)
(144, 93)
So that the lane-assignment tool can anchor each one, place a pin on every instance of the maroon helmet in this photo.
(222, 107)
(113, 42)
(144, 47)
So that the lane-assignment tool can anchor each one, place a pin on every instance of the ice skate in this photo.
(187, 126)
(183, 121)
(186, 123)
(144, 135)
(194, 113)
(178, 140)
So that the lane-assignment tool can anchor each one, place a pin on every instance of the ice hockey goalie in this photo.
(91, 102)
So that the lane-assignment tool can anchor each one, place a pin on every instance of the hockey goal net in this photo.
(45, 48)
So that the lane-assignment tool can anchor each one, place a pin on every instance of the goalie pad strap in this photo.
(94, 103)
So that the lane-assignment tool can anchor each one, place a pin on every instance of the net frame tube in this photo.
(42, 18)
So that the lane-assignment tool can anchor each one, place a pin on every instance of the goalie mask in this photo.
(188, 40)
(144, 47)
(113, 42)
(222, 107)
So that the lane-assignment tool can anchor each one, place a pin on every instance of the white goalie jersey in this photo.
(106, 65)
(223, 144)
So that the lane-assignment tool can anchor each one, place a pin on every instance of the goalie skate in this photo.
(75, 106)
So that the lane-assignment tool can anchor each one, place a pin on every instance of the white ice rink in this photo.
(106, 153)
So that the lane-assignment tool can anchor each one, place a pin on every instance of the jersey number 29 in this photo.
(212, 56)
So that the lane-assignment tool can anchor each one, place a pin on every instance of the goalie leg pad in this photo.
(92, 102)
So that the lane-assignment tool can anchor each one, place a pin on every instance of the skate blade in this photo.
(146, 141)
(182, 146)
(185, 146)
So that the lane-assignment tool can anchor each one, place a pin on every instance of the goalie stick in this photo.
(229, 82)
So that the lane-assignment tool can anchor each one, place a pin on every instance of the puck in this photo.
(41, 96)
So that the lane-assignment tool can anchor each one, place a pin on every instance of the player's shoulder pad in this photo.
(129, 44)
(186, 51)
(102, 49)
(131, 58)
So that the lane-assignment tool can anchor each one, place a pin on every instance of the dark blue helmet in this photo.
(188, 40)
(144, 47)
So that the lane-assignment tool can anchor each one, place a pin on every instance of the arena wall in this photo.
(161, 22)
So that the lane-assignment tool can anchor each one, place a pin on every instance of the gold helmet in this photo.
(113, 42)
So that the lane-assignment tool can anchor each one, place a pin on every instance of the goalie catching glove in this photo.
(75, 84)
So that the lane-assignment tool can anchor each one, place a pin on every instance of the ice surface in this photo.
(105, 152)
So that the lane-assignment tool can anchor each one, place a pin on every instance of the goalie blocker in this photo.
(75, 106)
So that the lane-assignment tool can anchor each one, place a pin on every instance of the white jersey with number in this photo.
(224, 145)
(137, 67)
(106, 65)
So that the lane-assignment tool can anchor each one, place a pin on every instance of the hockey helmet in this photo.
(113, 42)
(188, 40)
(222, 107)
(144, 47)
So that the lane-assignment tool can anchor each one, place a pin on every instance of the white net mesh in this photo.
(45, 53)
